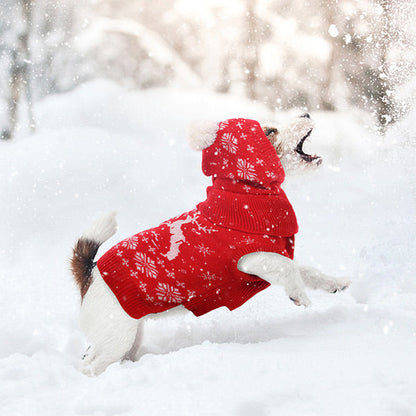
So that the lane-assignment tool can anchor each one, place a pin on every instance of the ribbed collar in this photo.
(252, 212)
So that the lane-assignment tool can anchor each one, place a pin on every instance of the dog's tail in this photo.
(82, 261)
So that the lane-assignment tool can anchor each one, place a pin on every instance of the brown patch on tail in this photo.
(82, 263)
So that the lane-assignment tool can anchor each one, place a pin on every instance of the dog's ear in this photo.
(201, 134)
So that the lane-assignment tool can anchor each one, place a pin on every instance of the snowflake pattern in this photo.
(150, 298)
(229, 142)
(170, 274)
(248, 240)
(246, 170)
(210, 276)
(131, 243)
(146, 265)
(271, 175)
(168, 293)
(204, 250)
(191, 294)
(247, 188)
(223, 125)
(202, 229)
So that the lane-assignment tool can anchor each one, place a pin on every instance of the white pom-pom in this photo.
(201, 134)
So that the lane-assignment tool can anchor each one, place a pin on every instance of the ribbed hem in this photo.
(125, 289)
(212, 300)
(270, 214)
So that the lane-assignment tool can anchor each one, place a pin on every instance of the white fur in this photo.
(110, 330)
(102, 229)
(291, 133)
(288, 137)
(278, 269)
(201, 134)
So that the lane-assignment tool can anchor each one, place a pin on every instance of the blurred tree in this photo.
(251, 50)
(381, 88)
(325, 54)
(37, 56)
(19, 72)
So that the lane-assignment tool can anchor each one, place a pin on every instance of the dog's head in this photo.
(288, 141)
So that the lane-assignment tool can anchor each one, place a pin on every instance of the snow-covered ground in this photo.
(100, 148)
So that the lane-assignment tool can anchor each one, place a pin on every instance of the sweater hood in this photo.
(242, 156)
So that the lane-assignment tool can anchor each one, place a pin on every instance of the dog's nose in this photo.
(306, 115)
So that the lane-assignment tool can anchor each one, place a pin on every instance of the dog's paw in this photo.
(338, 285)
(301, 300)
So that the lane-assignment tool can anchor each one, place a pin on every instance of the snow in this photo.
(102, 148)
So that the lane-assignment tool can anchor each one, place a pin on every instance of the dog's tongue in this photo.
(242, 157)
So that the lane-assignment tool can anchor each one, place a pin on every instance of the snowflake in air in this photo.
(146, 265)
(246, 170)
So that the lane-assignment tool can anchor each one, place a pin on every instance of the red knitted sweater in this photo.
(191, 260)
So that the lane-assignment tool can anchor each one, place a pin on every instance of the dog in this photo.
(230, 247)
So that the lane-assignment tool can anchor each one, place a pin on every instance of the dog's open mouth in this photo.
(306, 157)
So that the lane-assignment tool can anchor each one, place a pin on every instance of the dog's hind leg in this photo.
(110, 330)
(276, 269)
(136, 350)
(315, 279)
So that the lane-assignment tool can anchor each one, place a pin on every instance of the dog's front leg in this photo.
(276, 269)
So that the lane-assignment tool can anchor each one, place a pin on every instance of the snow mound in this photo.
(102, 148)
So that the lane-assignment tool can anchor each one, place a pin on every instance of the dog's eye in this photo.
(270, 131)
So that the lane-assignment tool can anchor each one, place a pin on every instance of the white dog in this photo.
(220, 254)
